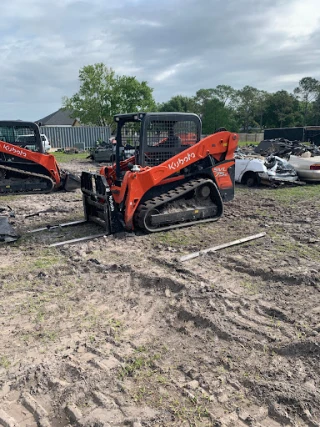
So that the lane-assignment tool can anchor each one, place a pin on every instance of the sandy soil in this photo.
(117, 331)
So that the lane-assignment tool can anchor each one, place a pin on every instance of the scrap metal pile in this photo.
(278, 161)
(284, 148)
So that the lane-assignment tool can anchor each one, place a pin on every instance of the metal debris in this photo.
(224, 245)
(7, 232)
(283, 148)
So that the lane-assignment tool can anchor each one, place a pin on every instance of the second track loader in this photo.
(25, 167)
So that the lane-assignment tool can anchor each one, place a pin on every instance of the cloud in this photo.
(178, 46)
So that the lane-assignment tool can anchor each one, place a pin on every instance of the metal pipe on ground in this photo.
(224, 245)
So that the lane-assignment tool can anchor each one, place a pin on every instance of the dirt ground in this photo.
(118, 332)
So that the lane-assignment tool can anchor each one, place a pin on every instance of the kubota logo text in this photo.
(14, 150)
(180, 162)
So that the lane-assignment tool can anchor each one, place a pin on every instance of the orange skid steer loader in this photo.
(173, 178)
(25, 167)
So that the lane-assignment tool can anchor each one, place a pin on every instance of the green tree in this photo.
(261, 105)
(202, 97)
(226, 94)
(282, 110)
(215, 115)
(315, 111)
(307, 92)
(179, 103)
(247, 107)
(103, 94)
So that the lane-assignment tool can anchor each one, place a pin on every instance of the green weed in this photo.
(135, 365)
(250, 288)
(174, 238)
(4, 362)
(64, 158)
(244, 143)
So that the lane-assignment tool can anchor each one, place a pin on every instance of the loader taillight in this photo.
(315, 167)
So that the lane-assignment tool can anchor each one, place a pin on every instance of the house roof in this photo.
(60, 117)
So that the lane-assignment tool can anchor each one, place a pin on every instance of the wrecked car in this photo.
(308, 168)
(305, 158)
(255, 170)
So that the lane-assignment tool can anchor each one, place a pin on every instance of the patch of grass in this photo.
(296, 249)
(92, 339)
(190, 409)
(46, 258)
(46, 336)
(45, 262)
(284, 195)
(152, 386)
(250, 287)
(64, 158)
(35, 307)
(244, 143)
(5, 199)
(173, 238)
(4, 362)
(141, 349)
(289, 195)
(94, 319)
(115, 323)
(134, 365)
(162, 379)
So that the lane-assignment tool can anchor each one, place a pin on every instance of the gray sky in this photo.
(178, 46)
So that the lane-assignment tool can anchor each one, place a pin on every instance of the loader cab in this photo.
(22, 134)
(156, 137)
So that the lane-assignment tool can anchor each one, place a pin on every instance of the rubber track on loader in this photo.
(172, 195)
(6, 191)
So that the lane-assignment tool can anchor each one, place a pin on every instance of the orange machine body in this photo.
(47, 161)
(135, 184)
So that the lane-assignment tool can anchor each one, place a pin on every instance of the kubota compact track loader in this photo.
(174, 179)
(25, 168)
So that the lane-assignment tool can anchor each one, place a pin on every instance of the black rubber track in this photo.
(5, 188)
(141, 215)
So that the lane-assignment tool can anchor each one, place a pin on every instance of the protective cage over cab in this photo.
(157, 137)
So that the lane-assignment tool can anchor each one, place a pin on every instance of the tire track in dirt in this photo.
(222, 341)
(183, 304)
(91, 366)
(69, 385)
(253, 315)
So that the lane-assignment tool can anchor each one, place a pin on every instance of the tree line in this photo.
(103, 94)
